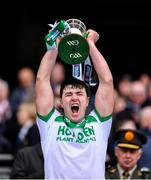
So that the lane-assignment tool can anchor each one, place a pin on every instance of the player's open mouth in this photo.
(75, 108)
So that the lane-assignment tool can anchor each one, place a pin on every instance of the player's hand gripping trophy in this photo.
(73, 48)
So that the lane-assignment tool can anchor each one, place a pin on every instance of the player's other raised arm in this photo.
(104, 98)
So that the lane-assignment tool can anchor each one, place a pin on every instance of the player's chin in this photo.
(75, 118)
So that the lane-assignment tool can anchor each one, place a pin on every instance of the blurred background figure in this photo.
(123, 86)
(128, 151)
(57, 77)
(23, 92)
(5, 115)
(28, 163)
(145, 79)
(120, 104)
(149, 92)
(25, 89)
(26, 116)
(137, 98)
(145, 126)
(5, 109)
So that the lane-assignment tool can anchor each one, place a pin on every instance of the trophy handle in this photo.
(55, 32)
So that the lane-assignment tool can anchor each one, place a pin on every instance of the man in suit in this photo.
(128, 150)
(28, 163)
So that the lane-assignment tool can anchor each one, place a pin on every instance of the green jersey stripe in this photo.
(102, 119)
(46, 117)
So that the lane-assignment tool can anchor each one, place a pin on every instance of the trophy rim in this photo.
(79, 23)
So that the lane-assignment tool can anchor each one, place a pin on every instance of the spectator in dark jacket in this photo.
(28, 163)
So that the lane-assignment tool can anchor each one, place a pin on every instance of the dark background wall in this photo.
(124, 28)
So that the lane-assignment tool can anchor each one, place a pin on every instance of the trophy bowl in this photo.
(73, 47)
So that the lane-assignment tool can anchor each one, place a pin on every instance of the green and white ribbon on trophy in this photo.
(73, 48)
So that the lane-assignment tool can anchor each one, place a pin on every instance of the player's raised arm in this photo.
(44, 93)
(104, 98)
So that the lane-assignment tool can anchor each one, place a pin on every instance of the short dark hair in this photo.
(76, 83)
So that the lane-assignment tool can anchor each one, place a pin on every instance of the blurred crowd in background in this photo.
(18, 128)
